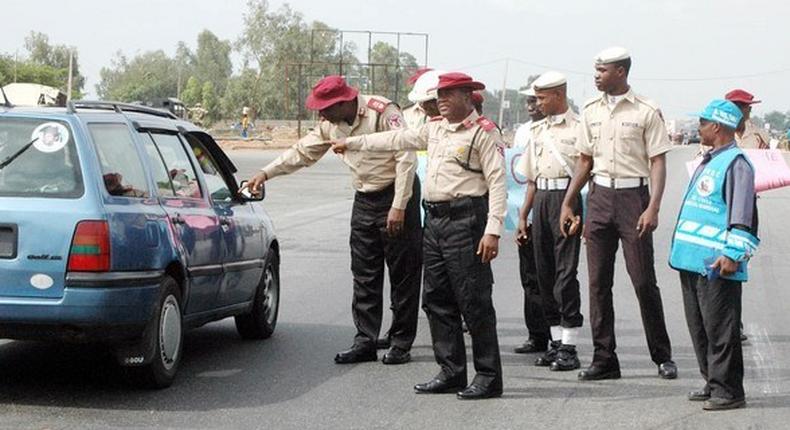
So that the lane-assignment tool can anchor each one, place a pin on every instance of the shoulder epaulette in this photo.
(646, 101)
(377, 104)
(591, 101)
(486, 123)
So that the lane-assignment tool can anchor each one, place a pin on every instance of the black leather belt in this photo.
(454, 208)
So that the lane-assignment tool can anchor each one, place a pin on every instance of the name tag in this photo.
(630, 124)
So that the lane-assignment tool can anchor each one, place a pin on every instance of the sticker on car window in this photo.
(50, 137)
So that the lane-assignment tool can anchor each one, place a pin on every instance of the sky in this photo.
(684, 52)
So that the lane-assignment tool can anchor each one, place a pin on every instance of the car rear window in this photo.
(122, 170)
(38, 158)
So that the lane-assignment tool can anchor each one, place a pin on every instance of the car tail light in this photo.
(90, 247)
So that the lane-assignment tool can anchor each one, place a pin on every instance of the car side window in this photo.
(122, 169)
(164, 186)
(179, 169)
(215, 182)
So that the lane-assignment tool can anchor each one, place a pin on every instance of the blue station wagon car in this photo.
(124, 225)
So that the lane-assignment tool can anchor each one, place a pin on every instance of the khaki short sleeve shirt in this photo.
(622, 137)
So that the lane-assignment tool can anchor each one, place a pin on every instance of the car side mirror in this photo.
(246, 195)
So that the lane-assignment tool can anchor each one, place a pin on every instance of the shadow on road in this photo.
(219, 371)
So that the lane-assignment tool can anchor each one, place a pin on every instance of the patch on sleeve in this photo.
(486, 123)
(377, 105)
(395, 121)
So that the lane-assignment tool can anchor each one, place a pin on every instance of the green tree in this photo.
(143, 78)
(193, 93)
(185, 65)
(212, 60)
(209, 102)
(42, 52)
(777, 120)
(391, 71)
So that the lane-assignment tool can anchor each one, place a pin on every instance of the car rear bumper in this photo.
(94, 307)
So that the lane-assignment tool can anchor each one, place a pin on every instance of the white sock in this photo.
(556, 332)
(570, 336)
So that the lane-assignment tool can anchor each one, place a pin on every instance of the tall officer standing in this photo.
(548, 162)
(538, 334)
(385, 221)
(465, 205)
(624, 141)
(715, 236)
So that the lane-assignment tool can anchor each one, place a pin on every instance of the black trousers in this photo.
(557, 259)
(371, 248)
(457, 283)
(713, 313)
(611, 218)
(534, 316)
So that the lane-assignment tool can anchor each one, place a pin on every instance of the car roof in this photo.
(142, 117)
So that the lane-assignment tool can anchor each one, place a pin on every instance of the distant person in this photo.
(747, 135)
(721, 199)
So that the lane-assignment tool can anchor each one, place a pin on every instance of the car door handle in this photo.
(178, 219)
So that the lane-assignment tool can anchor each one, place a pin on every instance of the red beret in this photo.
(328, 91)
(741, 96)
(458, 80)
(413, 78)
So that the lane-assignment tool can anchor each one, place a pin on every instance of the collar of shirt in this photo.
(362, 111)
(629, 96)
(468, 122)
(560, 118)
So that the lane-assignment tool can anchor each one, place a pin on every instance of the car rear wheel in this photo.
(168, 342)
(260, 322)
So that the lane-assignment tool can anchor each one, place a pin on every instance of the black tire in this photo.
(168, 341)
(260, 322)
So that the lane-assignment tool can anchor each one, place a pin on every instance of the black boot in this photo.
(567, 359)
(549, 356)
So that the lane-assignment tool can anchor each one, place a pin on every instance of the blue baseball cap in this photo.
(722, 111)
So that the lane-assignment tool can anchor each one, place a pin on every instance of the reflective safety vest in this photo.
(701, 233)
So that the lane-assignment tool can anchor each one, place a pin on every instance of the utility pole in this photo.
(71, 70)
(502, 96)
(16, 60)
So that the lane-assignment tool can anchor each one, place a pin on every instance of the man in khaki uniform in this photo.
(548, 162)
(747, 135)
(535, 318)
(385, 222)
(465, 205)
(624, 142)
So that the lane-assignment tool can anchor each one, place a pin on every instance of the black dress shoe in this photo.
(383, 342)
(530, 346)
(720, 404)
(477, 391)
(668, 370)
(595, 373)
(438, 385)
(700, 395)
(549, 356)
(396, 356)
(355, 355)
(567, 359)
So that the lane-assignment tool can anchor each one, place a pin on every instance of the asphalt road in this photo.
(290, 380)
